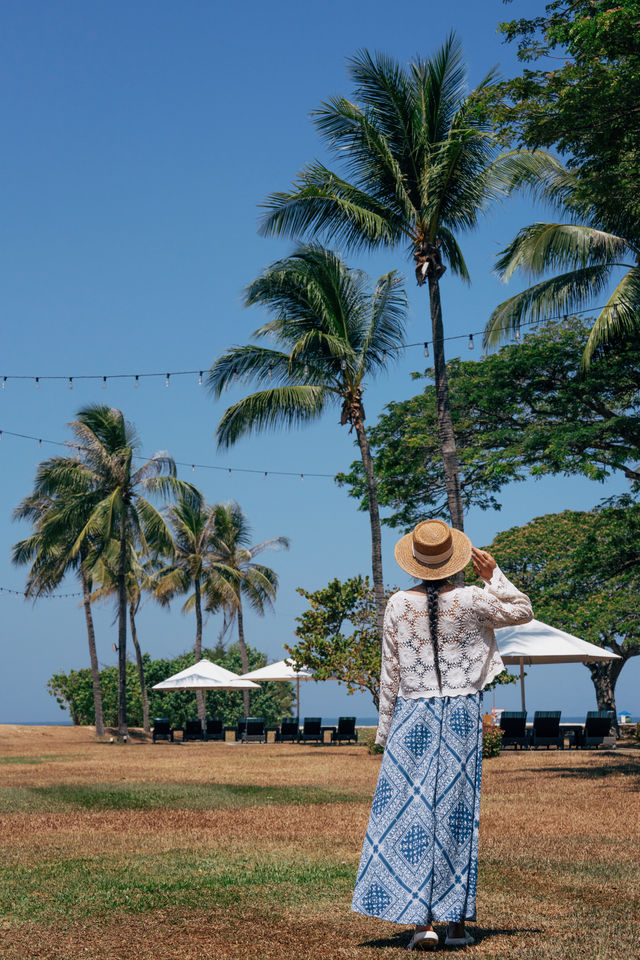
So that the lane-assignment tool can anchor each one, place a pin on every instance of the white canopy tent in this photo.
(205, 675)
(282, 670)
(537, 642)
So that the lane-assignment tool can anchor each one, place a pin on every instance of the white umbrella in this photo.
(537, 642)
(205, 675)
(282, 670)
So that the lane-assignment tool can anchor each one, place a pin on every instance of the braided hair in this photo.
(433, 596)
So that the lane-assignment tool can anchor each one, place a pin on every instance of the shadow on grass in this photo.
(400, 940)
(613, 768)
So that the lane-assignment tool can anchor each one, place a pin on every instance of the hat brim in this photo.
(457, 561)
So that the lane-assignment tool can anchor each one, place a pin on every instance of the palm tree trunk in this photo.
(200, 694)
(93, 656)
(374, 520)
(122, 628)
(143, 684)
(445, 424)
(243, 654)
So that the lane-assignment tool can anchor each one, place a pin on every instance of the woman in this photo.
(419, 859)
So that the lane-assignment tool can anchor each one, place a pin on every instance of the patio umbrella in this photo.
(282, 670)
(537, 642)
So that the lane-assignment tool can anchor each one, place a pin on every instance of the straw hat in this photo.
(433, 550)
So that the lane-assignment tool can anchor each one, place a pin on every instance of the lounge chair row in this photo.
(254, 729)
(546, 731)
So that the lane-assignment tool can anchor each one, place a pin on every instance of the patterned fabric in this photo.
(467, 649)
(420, 853)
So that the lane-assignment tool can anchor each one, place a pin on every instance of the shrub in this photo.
(491, 741)
(368, 738)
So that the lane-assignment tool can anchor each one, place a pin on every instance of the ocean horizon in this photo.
(327, 721)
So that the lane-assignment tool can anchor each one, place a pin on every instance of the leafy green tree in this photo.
(333, 334)
(581, 570)
(583, 257)
(58, 508)
(338, 637)
(107, 447)
(525, 410)
(73, 691)
(233, 574)
(419, 171)
(579, 91)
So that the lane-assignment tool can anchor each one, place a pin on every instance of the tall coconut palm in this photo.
(334, 335)
(233, 574)
(58, 508)
(192, 525)
(583, 256)
(419, 170)
(107, 445)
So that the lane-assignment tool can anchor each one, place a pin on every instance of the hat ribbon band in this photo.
(434, 559)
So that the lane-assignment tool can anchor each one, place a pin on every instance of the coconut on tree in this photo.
(330, 334)
(419, 170)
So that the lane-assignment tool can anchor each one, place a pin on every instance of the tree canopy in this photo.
(526, 410)
(580, 92)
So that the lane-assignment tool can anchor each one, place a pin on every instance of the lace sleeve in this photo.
(501, 604)
(389, 674)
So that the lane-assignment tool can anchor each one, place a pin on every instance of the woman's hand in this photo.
(483, 563)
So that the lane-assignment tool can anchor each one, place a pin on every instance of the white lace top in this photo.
(467, 649)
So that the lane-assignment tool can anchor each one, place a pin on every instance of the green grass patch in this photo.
(43, 758)
(95, 886)
(156, 796)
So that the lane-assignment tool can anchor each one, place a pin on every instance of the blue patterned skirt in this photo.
(420, 854)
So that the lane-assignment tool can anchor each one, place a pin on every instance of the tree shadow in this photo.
(629, 768)
(400, 940)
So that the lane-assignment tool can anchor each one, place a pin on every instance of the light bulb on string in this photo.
(615, 315)
(565, 322)
(384, 357)
(305, 372)
(270, 372)
(343, 364)
(193, 468)
(104, 383)
(470, 341)
(517, 334)
(37, 383)
(137, 383)
(200, 379)
(229, 471)
(70, 383)
(166, 382)
(4, 382)
(426, 348)
(40, 443)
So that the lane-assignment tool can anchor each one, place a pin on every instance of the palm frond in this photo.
(620, 317)
(552, 297)
(551, 246)
(281, 406)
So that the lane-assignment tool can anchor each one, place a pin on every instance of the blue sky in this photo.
(138, 141)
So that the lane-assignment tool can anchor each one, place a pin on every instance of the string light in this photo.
(44, 596)
(70, 383)
(137, 384)
(343, 365)
(104, 383)
(37, 383)
(384, 357)
(470, 341)
(200, 379)
(305, 372)
(517, 334)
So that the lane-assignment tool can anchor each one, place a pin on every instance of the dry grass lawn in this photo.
(208, 851)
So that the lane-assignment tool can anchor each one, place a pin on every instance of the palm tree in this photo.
(58, 508)
(232, 573)
(333, 334)
(192, 525)
(419, 170)
(107, 445)
(585, 252)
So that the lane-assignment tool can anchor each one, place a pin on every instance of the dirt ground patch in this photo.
(249, 853)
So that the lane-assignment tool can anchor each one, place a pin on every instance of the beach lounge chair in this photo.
(192, 730)
(162, 729)
(597, 728)
(311, 730)
(546, 729)
(288, 731)
(254, 731)
(214, 730)
(513, 724)
(346, 730)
